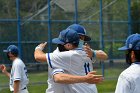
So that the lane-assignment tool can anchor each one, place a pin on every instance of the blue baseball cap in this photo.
(67, 36)
(12, 49)
(80, 30)
(132, 43)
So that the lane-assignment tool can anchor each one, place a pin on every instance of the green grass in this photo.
(110, 81)
(108, 85)
(110, 72)
(33, 77)
(3, 79)
(32, 89)
(37, 89)
(38, 77)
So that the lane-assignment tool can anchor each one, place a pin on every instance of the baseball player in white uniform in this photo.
(129, 79)
(91, 53)
(18, 76)
(94, 54)
(73, 62)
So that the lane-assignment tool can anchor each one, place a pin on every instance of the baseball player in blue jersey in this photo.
(18, 76)
(68, 62)
(129, 79)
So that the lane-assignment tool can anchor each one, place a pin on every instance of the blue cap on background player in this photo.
(80, 30)
(132, 43)
(67, 36)
(12, 48)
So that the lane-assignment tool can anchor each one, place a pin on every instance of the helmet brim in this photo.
(123, 48)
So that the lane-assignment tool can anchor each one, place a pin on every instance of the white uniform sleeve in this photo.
(124, 85)
(17, 72)
(59, 60)
(56, 71)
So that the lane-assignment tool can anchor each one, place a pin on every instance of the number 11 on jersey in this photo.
(87, 68)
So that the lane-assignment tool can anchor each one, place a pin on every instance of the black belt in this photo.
(21, 89)
(24, 88)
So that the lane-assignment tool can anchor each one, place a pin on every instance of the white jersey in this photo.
(73, 62)
(52, 86)
(129, 80)
(18, 72)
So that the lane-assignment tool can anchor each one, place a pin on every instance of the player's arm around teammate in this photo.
(66, 78)
(97, 54)
(90, 78)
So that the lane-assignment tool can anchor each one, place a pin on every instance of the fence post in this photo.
(49, 27)
(18, 26)
(101, 34)
(129, 18)
(76, 11)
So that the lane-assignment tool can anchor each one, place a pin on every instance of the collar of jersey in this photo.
(136, 62)
(78, 49)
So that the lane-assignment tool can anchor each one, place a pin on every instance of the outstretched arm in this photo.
(39, 54)
(70, 79)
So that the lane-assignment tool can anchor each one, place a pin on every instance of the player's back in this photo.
(74, 61)
(54, 87)
(81, 65)
(132, 74)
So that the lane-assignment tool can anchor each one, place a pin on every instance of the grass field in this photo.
(38, 82)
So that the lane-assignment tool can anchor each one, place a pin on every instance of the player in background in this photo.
(129, 79)
(73, 62)
(18, 76)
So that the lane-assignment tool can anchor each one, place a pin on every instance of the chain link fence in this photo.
(28, 23)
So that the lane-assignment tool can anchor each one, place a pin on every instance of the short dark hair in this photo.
(75, 44)
(13, 53)
(137, 55)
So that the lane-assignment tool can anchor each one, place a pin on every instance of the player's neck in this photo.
(14, 58)
(74, 47)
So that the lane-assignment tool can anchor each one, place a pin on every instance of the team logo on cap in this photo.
(9, 50)
(130, 45)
